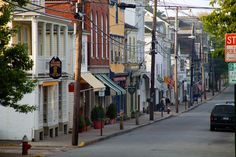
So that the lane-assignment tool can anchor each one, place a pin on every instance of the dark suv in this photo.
(223, 116)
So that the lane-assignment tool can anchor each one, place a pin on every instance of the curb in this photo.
(86, 143)
(204, 101)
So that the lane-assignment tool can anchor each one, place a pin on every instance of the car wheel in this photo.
(212, 128)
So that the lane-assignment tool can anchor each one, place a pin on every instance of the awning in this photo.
(93, 81)
(105, 79)
(123, 91)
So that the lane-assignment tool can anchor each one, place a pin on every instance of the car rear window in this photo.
(223, 109)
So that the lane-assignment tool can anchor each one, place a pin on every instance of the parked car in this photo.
(223, 116)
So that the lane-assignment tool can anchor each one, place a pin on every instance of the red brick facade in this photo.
(67, 9)
(97, 8)
(101, 10)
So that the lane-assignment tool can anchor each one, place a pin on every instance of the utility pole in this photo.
(213, 76)
(192, 65)
(153, 52)
(203, 67)
(75, 130)
(176, 62)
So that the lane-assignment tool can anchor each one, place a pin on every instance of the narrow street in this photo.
(186, 135)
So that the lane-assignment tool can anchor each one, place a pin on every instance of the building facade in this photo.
(163, 83)
(46, 38)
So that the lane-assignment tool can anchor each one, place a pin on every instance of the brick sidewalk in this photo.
(63, 142)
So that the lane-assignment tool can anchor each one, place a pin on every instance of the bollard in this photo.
(121, 122)
(137, 118)
(25, 145)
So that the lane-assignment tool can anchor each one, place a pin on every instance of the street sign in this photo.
(55, 68)
(232, 73)
(230, 47)
(101, 93)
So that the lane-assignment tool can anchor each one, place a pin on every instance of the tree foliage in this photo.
(221, 21)
(14, 62)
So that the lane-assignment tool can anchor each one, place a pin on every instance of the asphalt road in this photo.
(186, 135)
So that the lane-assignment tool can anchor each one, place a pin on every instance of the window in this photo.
(112, 51)
(182, 62)
(107, 36)
(96, 32)
(23, 37)
(133, 53)
(40, 40)
(102, 37)
(117, 13)
(130, 50)
(83, 54)
(91, 35)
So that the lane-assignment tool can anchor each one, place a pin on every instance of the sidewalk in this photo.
(63, 142)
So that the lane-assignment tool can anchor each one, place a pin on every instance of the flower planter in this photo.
(82, 130)
(97, 124)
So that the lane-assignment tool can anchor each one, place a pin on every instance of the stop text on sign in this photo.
(230, 47)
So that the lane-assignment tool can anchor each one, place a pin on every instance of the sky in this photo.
(195, 3)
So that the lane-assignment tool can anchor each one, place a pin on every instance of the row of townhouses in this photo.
(115, 67)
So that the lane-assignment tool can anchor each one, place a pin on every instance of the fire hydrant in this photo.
(25, 145)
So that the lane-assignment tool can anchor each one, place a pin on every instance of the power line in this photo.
(65, 18)
(39, 12)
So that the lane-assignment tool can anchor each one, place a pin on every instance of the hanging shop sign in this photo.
(131, 89)
(55, 68)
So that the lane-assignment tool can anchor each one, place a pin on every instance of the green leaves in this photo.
(14, 62)
(221, 21)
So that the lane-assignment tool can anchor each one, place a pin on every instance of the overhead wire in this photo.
(67, 19)
(33, 10)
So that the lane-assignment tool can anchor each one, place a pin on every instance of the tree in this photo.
(221, 69)
(221, 21)
(14, 62)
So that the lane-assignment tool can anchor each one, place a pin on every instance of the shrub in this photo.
(111, 111)
(87, 121)
(81, 122)
(97, 113)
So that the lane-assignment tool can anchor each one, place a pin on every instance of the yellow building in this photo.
(117, 50)
(117, 25)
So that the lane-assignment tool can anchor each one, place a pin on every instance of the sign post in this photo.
(131, 90)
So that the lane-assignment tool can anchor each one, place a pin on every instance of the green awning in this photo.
(123, 91)
(109, 84)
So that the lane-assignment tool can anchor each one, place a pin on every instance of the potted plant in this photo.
(112, 113)
(81, 123)
(97, 116)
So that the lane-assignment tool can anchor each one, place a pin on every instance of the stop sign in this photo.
(230, 47)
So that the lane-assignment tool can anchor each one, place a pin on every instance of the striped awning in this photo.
(107, 81)
(93, 81)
